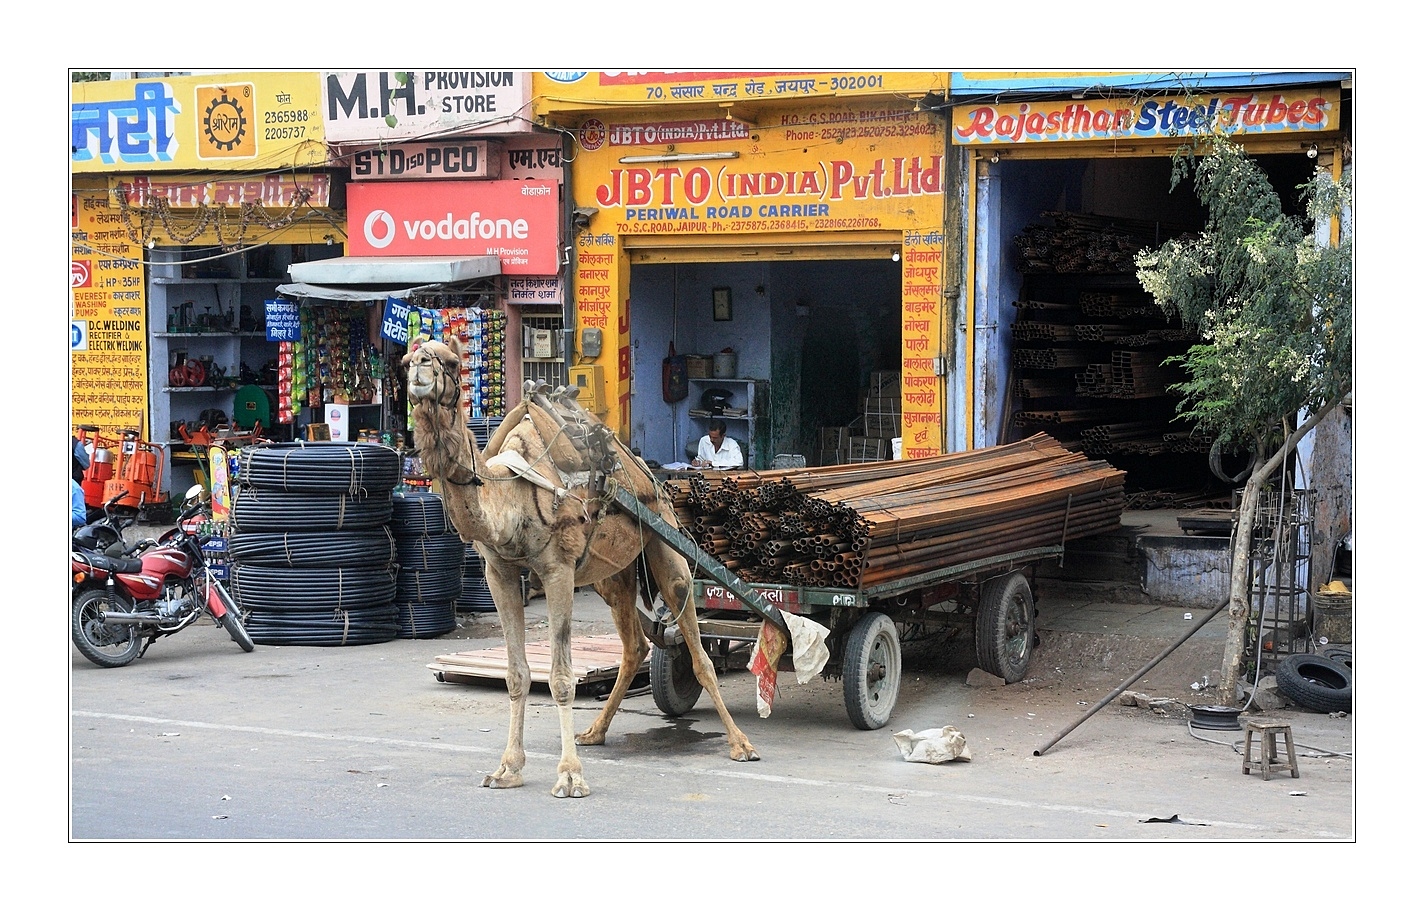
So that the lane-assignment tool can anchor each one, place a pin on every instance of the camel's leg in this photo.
(621, 592)
(559, 596)
(503, 579)
(675, 583)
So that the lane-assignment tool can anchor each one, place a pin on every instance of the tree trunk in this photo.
(1239, 605)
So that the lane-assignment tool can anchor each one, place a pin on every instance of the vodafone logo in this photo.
(381, 218)
(515, 220)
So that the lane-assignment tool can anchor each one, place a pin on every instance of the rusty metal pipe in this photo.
(1134, 678)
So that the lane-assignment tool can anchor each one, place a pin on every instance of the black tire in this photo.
(675, 686)
(105, 644)
(1004, 634)
(232, 617)
(1316, 683)
(870, 671)
(1342, 654)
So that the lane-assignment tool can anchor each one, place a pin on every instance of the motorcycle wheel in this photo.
(232, 617)
(105, 644)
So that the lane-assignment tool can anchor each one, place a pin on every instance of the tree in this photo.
(1273, 305)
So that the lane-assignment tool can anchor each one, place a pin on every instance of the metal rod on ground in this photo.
(1133, 679)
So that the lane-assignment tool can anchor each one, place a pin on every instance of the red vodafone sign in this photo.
(516, 220)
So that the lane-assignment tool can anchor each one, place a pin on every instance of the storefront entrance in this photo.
(801, 339)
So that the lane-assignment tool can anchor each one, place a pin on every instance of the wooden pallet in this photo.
(595, 660)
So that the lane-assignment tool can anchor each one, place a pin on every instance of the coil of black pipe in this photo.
(255, 509)
(322, 548)
(425, 620)
(418, 512)
(360, 626)
(268, 588)
(427, 585)
(316, 467)
(475, 596)
(484, 428)
(429, 551)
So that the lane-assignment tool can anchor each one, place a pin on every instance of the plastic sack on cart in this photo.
(808, 655)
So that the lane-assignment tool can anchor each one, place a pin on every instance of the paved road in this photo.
(199, 740)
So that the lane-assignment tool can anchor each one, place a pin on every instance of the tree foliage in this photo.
(1272, 303)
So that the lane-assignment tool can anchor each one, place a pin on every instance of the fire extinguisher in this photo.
(674, 375)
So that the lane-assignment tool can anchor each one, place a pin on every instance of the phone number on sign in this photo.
(284, 132)
(888, 129)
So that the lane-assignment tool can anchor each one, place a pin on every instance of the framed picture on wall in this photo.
(721, 303)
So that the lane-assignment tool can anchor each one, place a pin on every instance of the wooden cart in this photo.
(992, 597)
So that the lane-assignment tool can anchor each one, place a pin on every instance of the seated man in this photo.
(716, 449)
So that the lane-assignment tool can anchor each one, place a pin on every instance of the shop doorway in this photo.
(805, 337)
(1082, 345)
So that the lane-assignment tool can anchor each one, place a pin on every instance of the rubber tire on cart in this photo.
(1004, 633)
(105, 644)
(675, 686)
(870, 671)
(1316, 683)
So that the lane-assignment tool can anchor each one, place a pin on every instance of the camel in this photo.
(533, 499)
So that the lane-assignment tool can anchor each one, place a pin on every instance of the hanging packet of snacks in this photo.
(285, 370)
(475, 347)
(493, 364)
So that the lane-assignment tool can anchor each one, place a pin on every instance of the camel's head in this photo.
(433, 373)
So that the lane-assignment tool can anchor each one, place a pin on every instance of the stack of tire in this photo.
(430, 564)
(312, 558)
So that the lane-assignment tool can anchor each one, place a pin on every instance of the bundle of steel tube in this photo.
(846, 526)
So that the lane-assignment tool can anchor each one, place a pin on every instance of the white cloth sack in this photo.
(934, 745)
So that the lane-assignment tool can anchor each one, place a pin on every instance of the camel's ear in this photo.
(455, 347)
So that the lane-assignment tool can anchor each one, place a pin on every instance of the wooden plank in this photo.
(594, 658)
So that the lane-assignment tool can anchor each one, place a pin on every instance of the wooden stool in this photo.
(1269, 761)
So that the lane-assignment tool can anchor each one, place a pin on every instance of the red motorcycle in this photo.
(125, 599)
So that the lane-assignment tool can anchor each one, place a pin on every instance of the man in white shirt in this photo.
(717, 450)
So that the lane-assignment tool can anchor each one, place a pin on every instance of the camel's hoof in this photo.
(571, 786)
(589, 739)
(503, 780)
(745, 753)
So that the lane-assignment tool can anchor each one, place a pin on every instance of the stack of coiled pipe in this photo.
(430, 564)
(313, 560)
(475, 596)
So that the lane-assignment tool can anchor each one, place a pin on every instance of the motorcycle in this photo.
(123, 599)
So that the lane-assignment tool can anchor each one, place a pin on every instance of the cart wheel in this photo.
(1004, 633)
(870, 671)
(675, 686)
